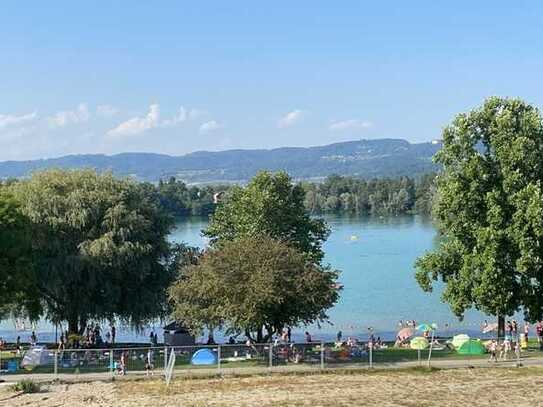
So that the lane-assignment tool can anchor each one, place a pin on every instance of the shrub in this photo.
(26, 386)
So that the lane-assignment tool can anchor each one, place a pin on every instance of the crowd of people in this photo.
(91, 338)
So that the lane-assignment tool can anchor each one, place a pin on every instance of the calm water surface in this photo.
(376, 258)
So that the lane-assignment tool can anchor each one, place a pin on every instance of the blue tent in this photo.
(204, 357)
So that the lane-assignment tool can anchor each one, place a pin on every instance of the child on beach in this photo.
(492, 348)
(505, 349)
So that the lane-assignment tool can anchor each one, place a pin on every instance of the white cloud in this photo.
(106, 111)
(7, 120)
(290, 118)
(180, 117)
(137, 125)
(210, 126)
(351, 124)
(79, 115)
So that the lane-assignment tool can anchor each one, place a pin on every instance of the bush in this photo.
(26, 386)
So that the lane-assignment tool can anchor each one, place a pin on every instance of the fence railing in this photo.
(224, 358)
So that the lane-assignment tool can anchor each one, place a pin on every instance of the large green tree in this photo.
(489, 209)
(16, 278)
(270, 204)
(252, 283)
(99, 246)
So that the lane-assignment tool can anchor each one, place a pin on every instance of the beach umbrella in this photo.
(419, 343)
(405, 333)
(490, 328)
(426, 327)
(458, 340)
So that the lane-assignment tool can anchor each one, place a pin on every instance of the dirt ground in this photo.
(470, 387)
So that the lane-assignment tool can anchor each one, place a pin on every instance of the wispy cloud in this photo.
(137, 125)
(180, 117)
(106, 111)
(79, 115)
(210, 126)
(290, 118)
(8, 120)
(351, 124)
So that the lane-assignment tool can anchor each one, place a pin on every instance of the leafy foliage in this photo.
(385, 196)
(26, 386)
(253, 282)
(180, 200)
(270, 204)
(16, 278)
(99, 246)
(489, 209)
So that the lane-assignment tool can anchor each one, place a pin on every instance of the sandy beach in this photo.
(473, 387)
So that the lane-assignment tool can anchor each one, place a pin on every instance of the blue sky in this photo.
(175, 77)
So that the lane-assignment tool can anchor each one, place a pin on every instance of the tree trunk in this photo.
(259, 335)
(73, 325)
(501, 326)
(82, 325)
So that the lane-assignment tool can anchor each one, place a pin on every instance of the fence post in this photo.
(55, 368)
(519, 350)
(165, 358)
(111, 362)
(371, 354)
(219, 359)
(271, 356)
(322, 355)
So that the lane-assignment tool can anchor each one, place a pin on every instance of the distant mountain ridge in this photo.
(361, 158)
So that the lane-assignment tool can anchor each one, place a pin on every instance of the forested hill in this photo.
(362, 158)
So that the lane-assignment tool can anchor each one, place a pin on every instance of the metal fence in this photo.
(257, 358)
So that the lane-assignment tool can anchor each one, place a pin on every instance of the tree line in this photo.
(386, 196)
(336, 194)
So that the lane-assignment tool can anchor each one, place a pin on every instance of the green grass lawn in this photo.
(136, 360)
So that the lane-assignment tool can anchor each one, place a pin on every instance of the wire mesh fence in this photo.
(258, 358)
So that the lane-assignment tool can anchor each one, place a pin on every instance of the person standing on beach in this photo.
(149, 362)
(33, 338)
(492, 348)
(307, 337)
(123, 362)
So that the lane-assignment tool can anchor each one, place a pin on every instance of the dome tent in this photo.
(204, 357)
(471, 347)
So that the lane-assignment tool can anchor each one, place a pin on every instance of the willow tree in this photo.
(251, 283)
(99, 247)
(16, 278)
(489, 209)
(270, 204)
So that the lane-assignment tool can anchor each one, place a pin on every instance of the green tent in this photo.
(458, 340)
(472, 347)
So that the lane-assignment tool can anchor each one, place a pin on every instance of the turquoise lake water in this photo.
(376, 258)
